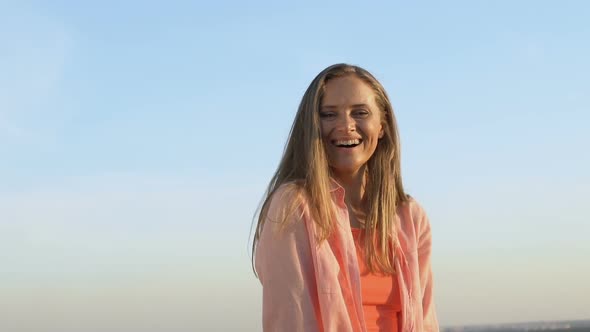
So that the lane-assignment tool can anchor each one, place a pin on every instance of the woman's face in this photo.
(351, 124)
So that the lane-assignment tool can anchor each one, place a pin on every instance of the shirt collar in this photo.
(335, 186)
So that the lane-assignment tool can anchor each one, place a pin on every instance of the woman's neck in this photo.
(354, 187)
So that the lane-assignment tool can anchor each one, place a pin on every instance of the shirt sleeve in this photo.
(285, 268)
(430, 321)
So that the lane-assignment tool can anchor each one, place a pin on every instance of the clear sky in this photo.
(137, 137)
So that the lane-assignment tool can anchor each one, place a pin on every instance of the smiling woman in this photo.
(351, 126)
(339, 245)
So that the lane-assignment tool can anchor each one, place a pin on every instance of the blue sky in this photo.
(137, 139)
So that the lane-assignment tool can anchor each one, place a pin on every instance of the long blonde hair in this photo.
(305, 164)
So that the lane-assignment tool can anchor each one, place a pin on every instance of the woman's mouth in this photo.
(347, 143)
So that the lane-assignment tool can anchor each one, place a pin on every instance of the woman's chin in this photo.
(345, 170)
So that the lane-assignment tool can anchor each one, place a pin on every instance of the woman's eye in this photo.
(326, 114)
(361, 113)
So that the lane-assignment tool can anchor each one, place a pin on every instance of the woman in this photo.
(339, 246)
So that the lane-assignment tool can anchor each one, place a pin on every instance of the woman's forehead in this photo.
(346, 91)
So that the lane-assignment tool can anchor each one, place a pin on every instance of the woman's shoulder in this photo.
(284, 200)
(415, 207)
(412, 213)
(288, 192)
(411, 205)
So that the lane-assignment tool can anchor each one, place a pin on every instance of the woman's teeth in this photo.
(347, 143)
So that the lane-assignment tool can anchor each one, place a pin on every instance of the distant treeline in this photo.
(573, 329)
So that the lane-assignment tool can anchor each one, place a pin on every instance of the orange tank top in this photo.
(380, 294)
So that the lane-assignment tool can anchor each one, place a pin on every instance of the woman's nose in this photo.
(346, 123)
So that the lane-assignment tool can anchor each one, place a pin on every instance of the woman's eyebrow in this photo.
(335, 107)
(360, 105)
